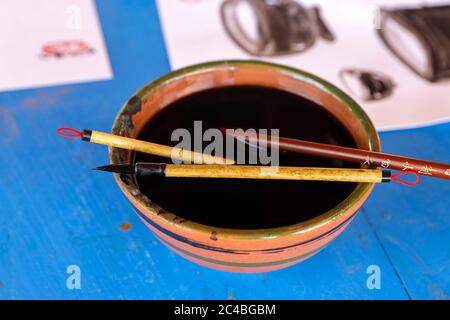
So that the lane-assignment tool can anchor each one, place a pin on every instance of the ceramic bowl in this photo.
(231, 249)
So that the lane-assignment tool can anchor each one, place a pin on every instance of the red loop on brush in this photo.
(69, 132)
(396, 176)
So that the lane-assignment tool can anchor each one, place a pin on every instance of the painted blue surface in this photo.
(54, 212)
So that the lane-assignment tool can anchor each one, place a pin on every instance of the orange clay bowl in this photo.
(232, 249)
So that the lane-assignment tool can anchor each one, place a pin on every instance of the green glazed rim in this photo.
(151, 209)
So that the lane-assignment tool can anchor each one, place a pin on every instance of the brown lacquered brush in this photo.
(250, 172)
(363, 157)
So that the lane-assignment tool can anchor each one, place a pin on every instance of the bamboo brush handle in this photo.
(152, 148)
(279, 173)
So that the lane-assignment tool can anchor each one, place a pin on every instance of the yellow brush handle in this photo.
(279, 173)
(155, 149)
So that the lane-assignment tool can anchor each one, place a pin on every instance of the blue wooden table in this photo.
(55, 212)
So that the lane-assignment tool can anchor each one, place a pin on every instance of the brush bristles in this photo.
(118, 168)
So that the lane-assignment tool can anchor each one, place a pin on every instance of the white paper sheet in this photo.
(70, 27)
(194, 33)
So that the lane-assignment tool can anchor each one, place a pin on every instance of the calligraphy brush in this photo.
(142, 146)
(364, 157)
(249, 172)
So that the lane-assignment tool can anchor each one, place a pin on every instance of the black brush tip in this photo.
(118, 168)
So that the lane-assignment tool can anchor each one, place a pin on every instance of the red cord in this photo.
(69, 132)
(396, 176)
